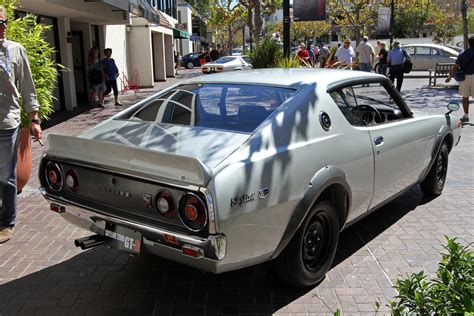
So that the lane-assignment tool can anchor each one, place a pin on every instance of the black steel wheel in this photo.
(310, 253)
(433, 184)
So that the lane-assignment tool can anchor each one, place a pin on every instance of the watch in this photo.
(35, 121)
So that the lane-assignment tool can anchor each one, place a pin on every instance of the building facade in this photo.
(141, 33)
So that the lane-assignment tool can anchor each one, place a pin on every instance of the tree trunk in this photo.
(250, 26)
(258, 21)
(464, 6)
(231, 38)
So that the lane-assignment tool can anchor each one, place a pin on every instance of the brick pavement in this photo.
(43, 273)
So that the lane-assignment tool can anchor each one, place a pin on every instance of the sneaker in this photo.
(118, 103)
(6, 233)
(464, 119)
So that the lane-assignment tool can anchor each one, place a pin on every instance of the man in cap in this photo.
(396, 58)
(345, 53)
(366, 55)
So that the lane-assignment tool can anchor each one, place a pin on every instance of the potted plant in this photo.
(26, 31)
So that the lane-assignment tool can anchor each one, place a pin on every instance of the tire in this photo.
(190, 65)
(434, 182)
(376, 68)
(301, 264)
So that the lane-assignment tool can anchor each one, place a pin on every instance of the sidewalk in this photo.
(43, 273)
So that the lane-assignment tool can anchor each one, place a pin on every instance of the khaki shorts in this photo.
(466, 87)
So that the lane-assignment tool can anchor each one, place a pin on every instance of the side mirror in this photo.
(452, 106)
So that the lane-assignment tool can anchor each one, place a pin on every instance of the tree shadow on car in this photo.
(105, 281)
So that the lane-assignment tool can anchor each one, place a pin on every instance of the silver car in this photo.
(425, 56)
(226, 171)
(227, 63)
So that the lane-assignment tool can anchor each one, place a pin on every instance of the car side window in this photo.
(423, 51)
(410, 50)
(367, 106)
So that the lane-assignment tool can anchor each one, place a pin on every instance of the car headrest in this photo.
(252, 113)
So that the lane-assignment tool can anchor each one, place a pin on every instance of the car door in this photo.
(424, 58)
(398, 140)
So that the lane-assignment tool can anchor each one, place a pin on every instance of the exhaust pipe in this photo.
(89, 241)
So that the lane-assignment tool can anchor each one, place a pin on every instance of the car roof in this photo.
(442, 47)
(283, 77)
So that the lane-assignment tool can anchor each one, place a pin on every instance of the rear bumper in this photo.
(211, 249)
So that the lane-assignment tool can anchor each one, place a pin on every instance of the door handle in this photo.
(378, 140)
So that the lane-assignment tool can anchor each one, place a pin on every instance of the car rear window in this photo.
(232, 107)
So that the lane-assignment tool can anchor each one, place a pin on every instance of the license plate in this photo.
(122, 238)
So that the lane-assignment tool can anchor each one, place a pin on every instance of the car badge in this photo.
(263, 193)
(244, 198)
(147, 199)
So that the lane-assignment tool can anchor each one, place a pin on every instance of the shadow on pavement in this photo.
(104, 281)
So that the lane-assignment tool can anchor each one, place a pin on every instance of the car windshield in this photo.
(224, 60)
(233, 107)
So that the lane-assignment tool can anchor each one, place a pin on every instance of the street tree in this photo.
(356, 17)
(202, 7)
(301, 30)
(411, 17)
(443, 26)
(226, 19)
(255, 10)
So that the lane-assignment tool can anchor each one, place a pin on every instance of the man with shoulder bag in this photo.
(463, 72)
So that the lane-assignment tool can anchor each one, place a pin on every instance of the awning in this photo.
(180, 34)
(143, 9)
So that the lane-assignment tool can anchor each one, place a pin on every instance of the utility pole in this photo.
(392, 20)
(464, 6)
(286, 27)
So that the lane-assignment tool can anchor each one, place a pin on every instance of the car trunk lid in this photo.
(182, 154)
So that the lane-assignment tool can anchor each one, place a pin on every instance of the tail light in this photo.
(219, 69)
(54, 176)
(193, 212)
(165, 203)
(72, 180)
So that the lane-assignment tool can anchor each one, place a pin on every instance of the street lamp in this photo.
(392, 20)
(286, 27)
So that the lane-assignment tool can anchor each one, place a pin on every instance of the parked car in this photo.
(456, 48)
(191, 60)
(227, 63)
(237, 51)
(425, 56)
(227, 171)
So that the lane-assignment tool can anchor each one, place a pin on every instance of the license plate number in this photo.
(122, 238)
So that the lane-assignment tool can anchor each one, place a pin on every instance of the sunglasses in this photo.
(3, 22)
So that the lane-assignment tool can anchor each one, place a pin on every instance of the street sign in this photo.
(309, 10)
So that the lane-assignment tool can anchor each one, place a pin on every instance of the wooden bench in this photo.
(441, 70)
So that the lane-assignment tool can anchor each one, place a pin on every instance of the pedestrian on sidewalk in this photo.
(15, 82)
(366, 55)
(344, 55)
(396, 58)
(111, 73)
(177, 60)
(383, 63)
(96, 78)
(465, 62)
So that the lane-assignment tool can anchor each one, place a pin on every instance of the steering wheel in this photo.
(366, 119)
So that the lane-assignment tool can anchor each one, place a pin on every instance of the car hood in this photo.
(210, 146)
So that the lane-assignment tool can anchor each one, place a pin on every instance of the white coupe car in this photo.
(227, 63)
